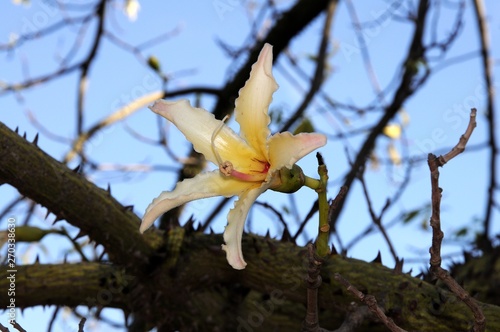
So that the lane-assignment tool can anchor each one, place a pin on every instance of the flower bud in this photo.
(288, 180)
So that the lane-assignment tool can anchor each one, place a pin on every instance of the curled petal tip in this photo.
(144, 226)
(234, 259)
(165, 108)
(266, 58)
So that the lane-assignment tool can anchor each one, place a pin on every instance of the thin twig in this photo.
(364, 52)
(274, 210)
(319, 74)
(310, 214)
(84, 69)
(81, 324)
(17, 326)
(490, 115)
(377, 220)
(460, 147)
(438, 235)
(407, 86)
(371, 302)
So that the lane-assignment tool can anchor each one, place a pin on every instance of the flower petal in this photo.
(199, 125)
(253, 102)
(235, 223)
(286, 149)
(201, 186)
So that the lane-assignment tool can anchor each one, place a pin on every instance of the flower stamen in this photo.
(226, 168)
(214, 135)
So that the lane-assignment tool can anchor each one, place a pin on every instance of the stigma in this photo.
(226, 168)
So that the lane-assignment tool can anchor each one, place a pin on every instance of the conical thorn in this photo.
(398, 268)
(286, 237)
(79, 235)
(378, 258)
(129, 208)
(333, 251)
(58, 218)
(35, 140)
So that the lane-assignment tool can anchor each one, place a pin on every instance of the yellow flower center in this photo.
(226, 167)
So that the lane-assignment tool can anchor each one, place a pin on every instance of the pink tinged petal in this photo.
(199, 125)
(235, 223)
(253, 102)
(286, 149)
(201, 186)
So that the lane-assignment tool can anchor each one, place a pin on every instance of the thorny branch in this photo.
(281, 39)
(437, 234)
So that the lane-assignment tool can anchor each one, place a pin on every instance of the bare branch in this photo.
(437, 233)
(406, 88)
(481, 20)
(319, 73)
(460, 147)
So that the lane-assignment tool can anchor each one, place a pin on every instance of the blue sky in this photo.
(191, 57)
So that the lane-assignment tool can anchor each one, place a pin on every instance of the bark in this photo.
(181, 279)
(201, 292)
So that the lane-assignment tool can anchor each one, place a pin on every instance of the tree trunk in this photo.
(181, 278)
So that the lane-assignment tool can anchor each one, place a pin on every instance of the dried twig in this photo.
(17, 326)
(81, 324)
(319, 74)
(313, 280)
(407, 86)
(360, 36)
(3, 328)
(85, 67)
(377, 219)
(437, 234)
(371, 302)
(460, 147)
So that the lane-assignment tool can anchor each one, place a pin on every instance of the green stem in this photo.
(322, 247)
(314, 184)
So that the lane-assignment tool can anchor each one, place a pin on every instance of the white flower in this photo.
(249, 163)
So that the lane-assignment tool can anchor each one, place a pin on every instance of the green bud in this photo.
(154, 63)
(289, 180)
